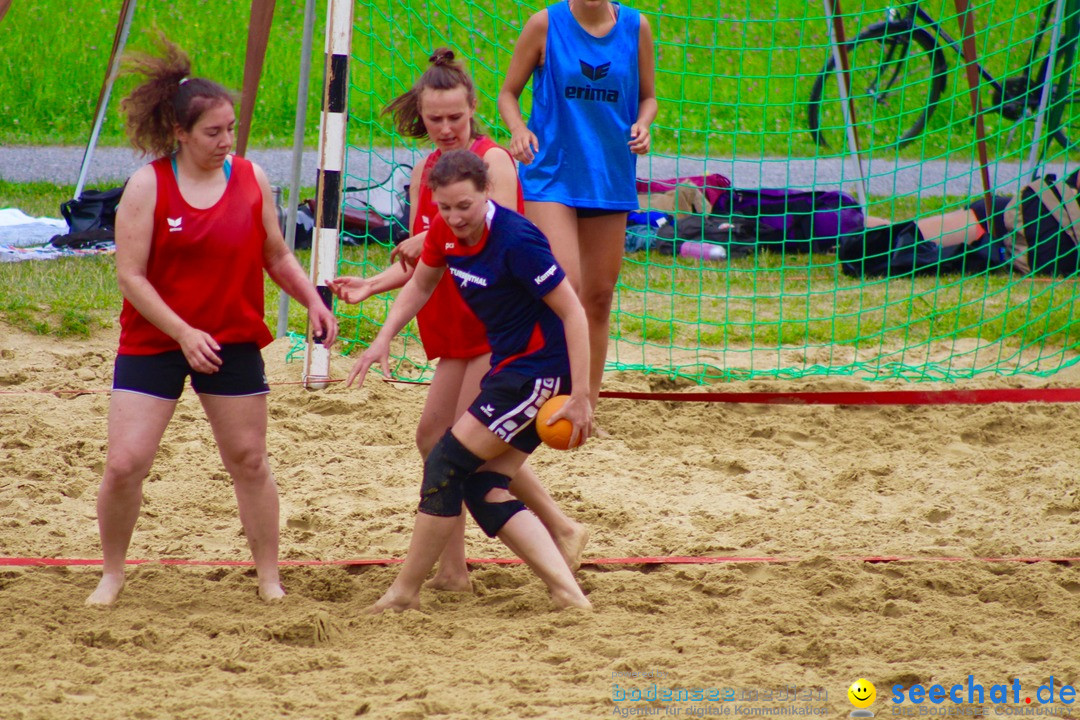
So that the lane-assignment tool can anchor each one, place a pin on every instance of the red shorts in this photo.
(448, 328)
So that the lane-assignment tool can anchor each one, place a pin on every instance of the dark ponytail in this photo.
(167, 99)
(443, 74)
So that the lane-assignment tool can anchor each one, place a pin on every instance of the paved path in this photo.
(887, 178)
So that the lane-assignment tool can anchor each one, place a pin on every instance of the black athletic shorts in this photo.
(508, 402)
(162, 375)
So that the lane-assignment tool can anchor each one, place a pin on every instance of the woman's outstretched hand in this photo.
(351, 289)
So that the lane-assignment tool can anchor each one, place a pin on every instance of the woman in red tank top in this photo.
(195, 229)
(441, 106)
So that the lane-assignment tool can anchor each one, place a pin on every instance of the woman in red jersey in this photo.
(194, 231)
(441, 106)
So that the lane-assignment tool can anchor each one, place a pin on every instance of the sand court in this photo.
(819, 486)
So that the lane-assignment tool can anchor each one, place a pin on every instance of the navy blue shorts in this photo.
(508, 402)
(162, 375)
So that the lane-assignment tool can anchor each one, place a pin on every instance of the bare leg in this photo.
(601, 261)
(524, 534)
(569, 535)
(430, 534)
(560, 224)
(239, 425)
(452, 574)
(136, 424)
(592, 267)
(454, 386)
(528, 539)
(952, 228)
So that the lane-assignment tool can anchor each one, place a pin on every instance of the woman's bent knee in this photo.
(427, 434)
(126, 471)
(248, 466)
(597, 301)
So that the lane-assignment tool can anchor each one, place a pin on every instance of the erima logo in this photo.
(548, 273)
(594, 72)
(464, 278)
(590, 93)
(487, 409)
(174, 224)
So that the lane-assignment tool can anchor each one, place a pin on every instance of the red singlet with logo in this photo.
(207, 264)
(448, 328)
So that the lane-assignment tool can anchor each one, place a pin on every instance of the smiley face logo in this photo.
(862, 693)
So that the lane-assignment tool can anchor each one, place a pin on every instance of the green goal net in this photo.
(749, 90)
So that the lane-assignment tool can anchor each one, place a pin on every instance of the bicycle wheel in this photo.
(897, 77)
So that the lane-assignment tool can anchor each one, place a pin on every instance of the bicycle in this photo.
(898, 85)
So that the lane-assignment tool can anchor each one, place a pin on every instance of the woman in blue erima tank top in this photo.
(592, 68)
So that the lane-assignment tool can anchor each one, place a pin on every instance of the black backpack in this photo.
(94, 210)
(1043, 227)
(91, 219)
(704, 229)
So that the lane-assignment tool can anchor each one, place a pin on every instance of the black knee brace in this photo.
(490, 516)
(445, 471)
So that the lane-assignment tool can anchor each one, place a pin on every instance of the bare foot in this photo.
(565, 600)
(394, 603)
(450, 582)
(107, 590)
(271, 591)
(572, 545)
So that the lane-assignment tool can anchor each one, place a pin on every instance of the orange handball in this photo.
(557, 435)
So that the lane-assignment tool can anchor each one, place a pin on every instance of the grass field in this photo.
(768, 300)
(733, 78)
(733, 75)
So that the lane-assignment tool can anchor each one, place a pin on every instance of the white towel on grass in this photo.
(21, 230)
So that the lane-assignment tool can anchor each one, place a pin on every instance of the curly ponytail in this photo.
(167, 99)
(444, 74)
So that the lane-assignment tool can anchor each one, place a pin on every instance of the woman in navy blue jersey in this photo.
(505, 272)
(594, 100)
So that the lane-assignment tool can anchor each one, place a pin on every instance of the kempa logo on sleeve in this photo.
(539, 279)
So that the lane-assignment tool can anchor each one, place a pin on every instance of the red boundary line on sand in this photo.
(858, 397)
(661, 560)
(868, 397)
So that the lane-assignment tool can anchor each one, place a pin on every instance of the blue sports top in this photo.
(503, 279)
(585, 98)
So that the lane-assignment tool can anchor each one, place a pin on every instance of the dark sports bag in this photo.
(790, 220)
(1043, 227)
(94, 210)
(900, 249)
(698, 229)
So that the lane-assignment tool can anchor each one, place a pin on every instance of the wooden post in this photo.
(966, 16)
(262, 15)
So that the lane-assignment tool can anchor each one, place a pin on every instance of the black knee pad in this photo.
(490, 516)
(445, 471)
